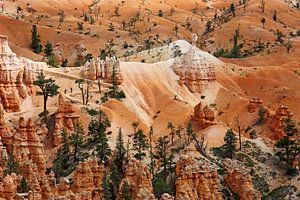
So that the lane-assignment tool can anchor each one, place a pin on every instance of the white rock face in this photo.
(16, 77)
(195, 70)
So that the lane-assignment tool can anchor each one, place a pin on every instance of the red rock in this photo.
(239, 181)
(196, 179)
(205, 117)
(254, 104)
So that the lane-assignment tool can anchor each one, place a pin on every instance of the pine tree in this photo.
(64, 63)
(189, 131)
(77, 141)
(23, 187)
(120, 148)
(61, 164)
(261, 115)
(103, 149)
(275, 16)
(11, 166)
(107, 188)
(232, 9)
(35, 40)
(48, 50)
(230, 144)
(126, 191)
(48, 89)
(289, 146)
(161, 149)
(140, 144)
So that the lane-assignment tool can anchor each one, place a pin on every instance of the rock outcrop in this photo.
(254, 104)
(87, 183)
(65, 118)
(276, 122)
(103, 70)
(16, 77)
(138, 178)
(204, 117)
(8, 187)
(196, 179)
(194, 70)
(26, 145)
(239, 181)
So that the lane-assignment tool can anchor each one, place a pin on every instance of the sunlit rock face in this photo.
(196, 179)
(16, 77)
(239, 181)
(194, 70)
(103, 69)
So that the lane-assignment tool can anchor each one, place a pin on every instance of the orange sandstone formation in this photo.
(65, 118)
(196, 179)
(254, 104)
(8, 187)
(16, 77)
(204, 117)
(138, 177)
(239, 181)
(276, 121)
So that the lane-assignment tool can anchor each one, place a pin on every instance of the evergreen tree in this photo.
(161, 149)
(51, 61)
(126, 191)
(261, 115)
(190, 133)
(48, 89)
(11, 166)
(35, 40)
(263, 21)
(116, 176)
(61, 163)
(275, 16)
(107, 188)
(98, 122)
(160, 186)
(230, 144)
(103, 149)
(48, 50)
(289, 146)
(140, 144)
(23, 187)
(64, 63)
(120, 148)
(232, 9)
(208, 26)
(77, 141)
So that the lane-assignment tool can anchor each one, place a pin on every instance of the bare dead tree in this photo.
(239, 129)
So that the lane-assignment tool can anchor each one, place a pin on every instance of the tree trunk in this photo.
(45, 107)
(240, 138)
